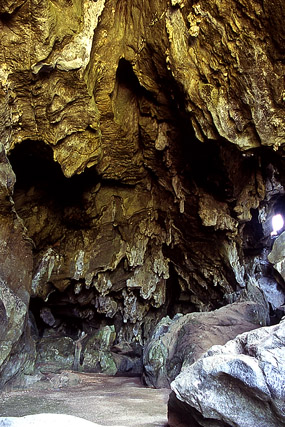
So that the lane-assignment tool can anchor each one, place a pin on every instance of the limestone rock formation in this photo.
(147, 144)
(239, 383)
(178, 343)
(17, 350)
(277, 255)
(55, 354)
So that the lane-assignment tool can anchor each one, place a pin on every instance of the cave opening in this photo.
(6, 18)
(126, 78)
(277, 224)
(278, 214)
(68, 318)
(42, 190)
(33, 164)
(68, 314)
(54, 208)
(267, 223)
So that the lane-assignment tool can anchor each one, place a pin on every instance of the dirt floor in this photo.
(94, 397)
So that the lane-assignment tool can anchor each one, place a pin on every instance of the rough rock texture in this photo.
(147, 141)
(240, 383)
(96, 353)
(55, 354)
(277, 255)
(17, 349)
(178, 343)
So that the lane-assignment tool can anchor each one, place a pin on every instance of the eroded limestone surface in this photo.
(147, 144)
(17, 349)
(277, 255)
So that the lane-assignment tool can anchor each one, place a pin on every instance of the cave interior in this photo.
(214, 168)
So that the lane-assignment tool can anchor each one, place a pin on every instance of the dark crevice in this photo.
(253, 235)
(41, 189)
(6, 18)
(126, 78)
(279, 205)
(179, 301)
(68, 314)
(33, 164)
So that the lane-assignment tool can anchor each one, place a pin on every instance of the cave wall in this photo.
(17, 349)
(147, 141)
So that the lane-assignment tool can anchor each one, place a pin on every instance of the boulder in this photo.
(178, 343)
(55, 354)
(277, 255)
(239, 384)
(128, 358)
(45, 420)
(97, 355)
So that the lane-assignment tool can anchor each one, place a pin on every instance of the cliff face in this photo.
(147, 142)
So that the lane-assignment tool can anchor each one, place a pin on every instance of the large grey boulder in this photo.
(178, 343)
(240, 384)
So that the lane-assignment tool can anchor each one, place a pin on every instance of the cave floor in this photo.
(94, 397)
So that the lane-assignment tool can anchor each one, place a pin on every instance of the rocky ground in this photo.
(100, 399)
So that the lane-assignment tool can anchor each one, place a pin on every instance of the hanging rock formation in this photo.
(147, 145)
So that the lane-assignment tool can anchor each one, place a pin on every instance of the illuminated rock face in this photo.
(277, 255)
(146, 140)
(242, 381)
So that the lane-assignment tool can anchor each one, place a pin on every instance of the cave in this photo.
(40, 181)
(141, 180)
(119, 301)
(129, 298)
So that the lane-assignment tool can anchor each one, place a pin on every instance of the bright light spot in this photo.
(277, 224)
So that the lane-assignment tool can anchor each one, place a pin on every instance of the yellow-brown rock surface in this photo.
(147, 139)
